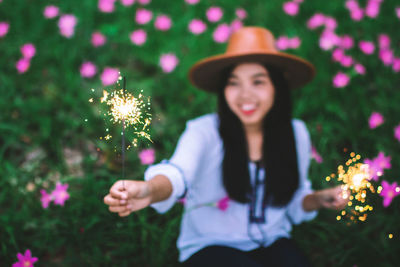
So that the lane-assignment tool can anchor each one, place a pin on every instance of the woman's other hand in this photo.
(332, 198)
(128, 196)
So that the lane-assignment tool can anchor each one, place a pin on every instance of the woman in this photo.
(252, 151)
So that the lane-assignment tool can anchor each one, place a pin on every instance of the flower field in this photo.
(59, 152)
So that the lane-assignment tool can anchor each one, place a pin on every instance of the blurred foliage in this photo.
(44, 137)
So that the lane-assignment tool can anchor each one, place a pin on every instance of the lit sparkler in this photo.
(356, 184)
(130, 111)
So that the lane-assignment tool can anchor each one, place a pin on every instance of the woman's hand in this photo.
(128, 196)
(332, 198)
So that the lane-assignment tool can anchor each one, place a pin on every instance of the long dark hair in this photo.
(279, 157)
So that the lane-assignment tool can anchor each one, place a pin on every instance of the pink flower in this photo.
(138, 37)
(223, 203)
(375, 171)
(315, 155)
(341, 80)
(192, 2)
(294, 42)
(316, 21)
(66, 24)
(291, 8)
(4, 26)
(387, 56)
(45, 198)
(50, 12)
(383, 41)
(241, 13)
(330, 23)
(25, 260)
(221, 33)
(360, 69)
(147, 156)
(162, 23)
(352, 4)
(182, 201)
(28, 50)
(214, 14)
(357, 14)
(389, 191)
(375, 120)
(328, 40)
(106, 6)
(346, 61)
(337, 54)
(236, 25)
(197, 26)
(397, 10)
(397, 132)
(88, 69)
(144, 2)
(98, 39)
(378, 165)
(366, 47)
(282, 43)
(127, 2)
(143, 16)
(372, 9)
(60, 194)
(396, 65)
(346, 42)
(22, 65)
(383, 162)
(109, 76)
(168, 62)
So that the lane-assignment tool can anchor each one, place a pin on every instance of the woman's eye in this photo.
(232, 83)
(258, 82)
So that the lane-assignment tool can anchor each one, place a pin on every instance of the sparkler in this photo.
(355, 186)
(130, 111)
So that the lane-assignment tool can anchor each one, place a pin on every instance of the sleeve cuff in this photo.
(297, 212)
(175, 176)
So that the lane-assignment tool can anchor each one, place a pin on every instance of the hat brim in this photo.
(207, 73)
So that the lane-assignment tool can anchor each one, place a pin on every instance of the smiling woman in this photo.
(251, 152)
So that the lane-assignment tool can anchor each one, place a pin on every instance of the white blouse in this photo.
(196, 168)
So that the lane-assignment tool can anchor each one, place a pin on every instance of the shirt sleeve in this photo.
(181, 168)
(303, 145)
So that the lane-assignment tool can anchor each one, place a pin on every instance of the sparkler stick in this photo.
(130, 111)
(123, 136)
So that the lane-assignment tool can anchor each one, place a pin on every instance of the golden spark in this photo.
(355, 185)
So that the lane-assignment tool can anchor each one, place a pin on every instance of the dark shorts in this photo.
(283, 252)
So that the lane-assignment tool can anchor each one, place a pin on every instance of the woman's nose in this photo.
(245, 91)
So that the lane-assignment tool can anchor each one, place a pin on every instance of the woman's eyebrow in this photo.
(260, 75)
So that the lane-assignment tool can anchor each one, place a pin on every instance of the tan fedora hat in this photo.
(250, 44)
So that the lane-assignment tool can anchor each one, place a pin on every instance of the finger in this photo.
(118, 191)
(110, 201)
(124, 214)
(118, 208)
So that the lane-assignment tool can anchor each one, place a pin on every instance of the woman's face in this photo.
(250, 93)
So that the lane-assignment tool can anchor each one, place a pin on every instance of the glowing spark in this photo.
(355, 185)
(105, 95)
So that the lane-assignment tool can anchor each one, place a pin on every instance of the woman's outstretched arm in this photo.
(331, 198)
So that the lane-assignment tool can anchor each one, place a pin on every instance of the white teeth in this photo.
(247, 107)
